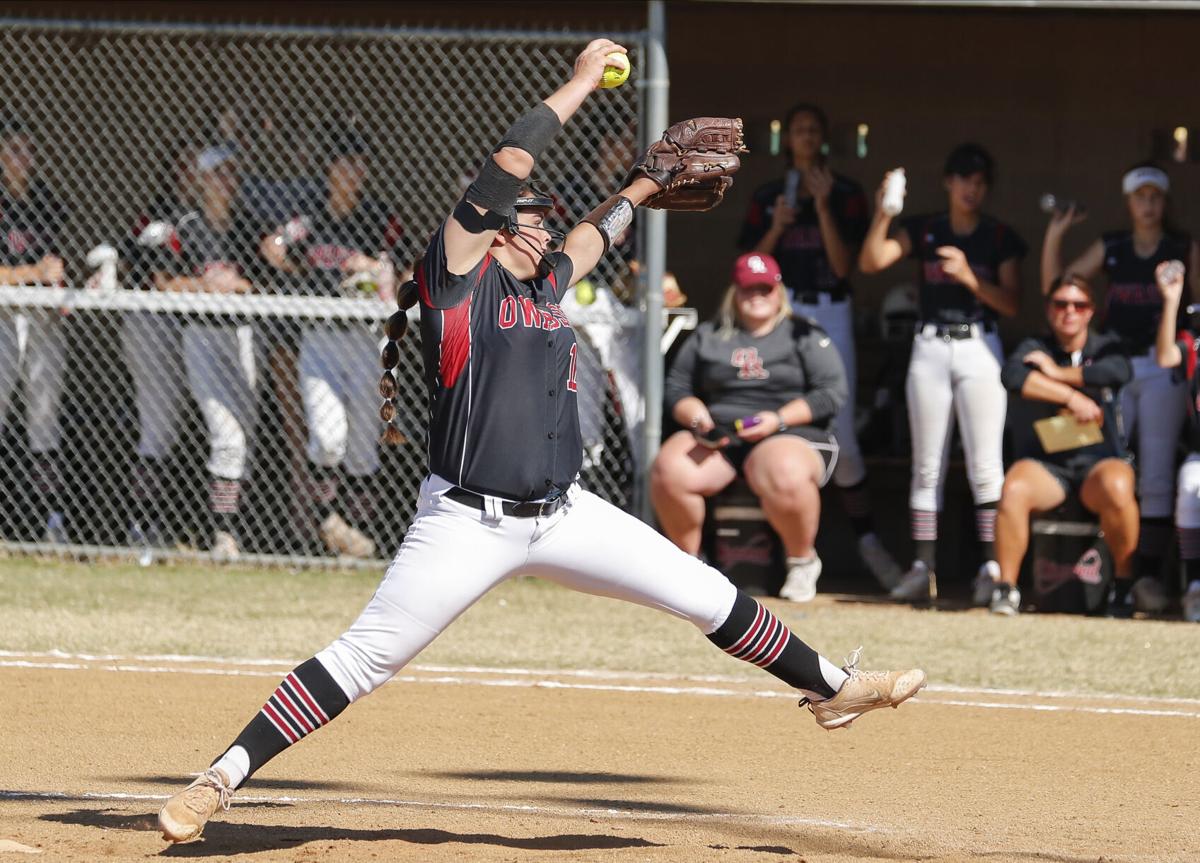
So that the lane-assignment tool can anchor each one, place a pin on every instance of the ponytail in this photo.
(394, 329)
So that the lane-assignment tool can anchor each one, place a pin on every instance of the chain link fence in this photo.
(202, 228)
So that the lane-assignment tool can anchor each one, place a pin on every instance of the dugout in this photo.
(1065, 95)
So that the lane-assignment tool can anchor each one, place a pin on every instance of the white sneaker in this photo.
(1149, 596)
(882, 565)
(917, 585)
(1005, 600)
(986, 581)
(801, 583)
(225, 546)
(1191, 603)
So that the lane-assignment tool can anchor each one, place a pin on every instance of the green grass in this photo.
(217, 611)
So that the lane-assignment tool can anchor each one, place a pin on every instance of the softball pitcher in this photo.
(504, 451)
(969, 273)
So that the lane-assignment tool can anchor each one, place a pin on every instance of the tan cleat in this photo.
(864, 691)
(342, 539)
(183, 818)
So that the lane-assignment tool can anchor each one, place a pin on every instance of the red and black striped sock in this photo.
(304, 701)
(752, 633)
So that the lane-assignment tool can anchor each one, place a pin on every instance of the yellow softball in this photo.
(616, 72)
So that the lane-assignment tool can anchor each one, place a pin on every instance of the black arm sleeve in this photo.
(1109, 368)
(1014, 372)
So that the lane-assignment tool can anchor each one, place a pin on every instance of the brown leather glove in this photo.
(693, 163)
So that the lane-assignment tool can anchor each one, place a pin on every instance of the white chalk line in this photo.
(503, 808)
(523, 679)
(280, 665)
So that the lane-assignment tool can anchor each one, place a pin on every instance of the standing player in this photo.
(812, 222)
(505, 450)
(30, 221)
(328, 246)
(1181, 352)
(211, 248)
(969, 273)
(153, 353)
(1153, 404)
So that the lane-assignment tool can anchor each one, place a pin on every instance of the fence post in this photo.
(657, 90)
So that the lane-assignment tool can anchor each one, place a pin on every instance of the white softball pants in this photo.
(153, 353)
(33, 352)
(949, 377)
(837, 319)
(453, 554)
(339, 373)
(1154, 407)
(1187, 498)
(222, 376)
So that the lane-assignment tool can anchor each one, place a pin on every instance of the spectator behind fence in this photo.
(1073, 376)
(813, 221)
(1153, 404)
(153, 354)
(213, 249)
(781, 378)
(969, 273)
(31, 342)
(338, 246)
(1181, 354)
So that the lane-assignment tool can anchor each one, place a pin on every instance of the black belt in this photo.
(958, 331)
(517, 508)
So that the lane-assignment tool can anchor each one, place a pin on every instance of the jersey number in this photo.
(571, 372)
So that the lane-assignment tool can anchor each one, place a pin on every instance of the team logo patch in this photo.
(749, 364)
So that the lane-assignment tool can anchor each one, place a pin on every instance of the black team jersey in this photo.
(196, 246)
(30, 225)
(943, 299)
(500, 363)
(801, 250)
(1134, 305)
(367, 229)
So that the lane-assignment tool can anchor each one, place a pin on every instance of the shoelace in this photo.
(224, 792)
(851, 668)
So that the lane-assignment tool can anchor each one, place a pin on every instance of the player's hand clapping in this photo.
(782, 216)
(818, 181)
(225, 280)
(955, 265)
(358, 263)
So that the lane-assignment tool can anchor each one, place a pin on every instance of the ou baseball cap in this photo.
(755, 268)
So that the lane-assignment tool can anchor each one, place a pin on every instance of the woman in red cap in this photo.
(756, 390)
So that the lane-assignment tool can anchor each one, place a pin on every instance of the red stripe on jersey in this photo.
(553, 282)
(1189, 360)
(456, 342)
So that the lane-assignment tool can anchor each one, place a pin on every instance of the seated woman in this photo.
(1075, 371)
(756, 390)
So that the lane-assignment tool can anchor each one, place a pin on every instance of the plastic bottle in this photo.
(893, 192)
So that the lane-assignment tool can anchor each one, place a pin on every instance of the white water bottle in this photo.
(893, 192)
(791, 185)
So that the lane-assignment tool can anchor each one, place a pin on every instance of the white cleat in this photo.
(801, 583)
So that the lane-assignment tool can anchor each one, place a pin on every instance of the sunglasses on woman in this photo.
(1079, 305)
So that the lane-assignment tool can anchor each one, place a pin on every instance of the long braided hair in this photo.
(394, 329)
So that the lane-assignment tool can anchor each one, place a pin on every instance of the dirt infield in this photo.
(504, 765)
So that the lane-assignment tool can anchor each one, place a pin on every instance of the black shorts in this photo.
(1071, 476)
(823, 442)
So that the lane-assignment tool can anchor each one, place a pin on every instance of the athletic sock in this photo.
(754, 634)
(985, 528)
(223, 499)
(1152, 545)
(324, 490)
(304, 701)
(924, 524)
(856, 500)
(1189, 553)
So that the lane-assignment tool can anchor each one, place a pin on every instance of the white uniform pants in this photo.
(339, 374)
(1187, 499)
(949, 377)
(1153, 407)
(32, 351)
(150, 344)
(453, 554)
(837, 319)
(221, 374)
